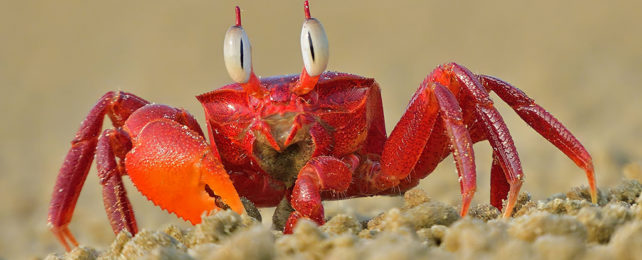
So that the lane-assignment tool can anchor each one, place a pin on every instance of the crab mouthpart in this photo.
(284, 128)
(288, 146)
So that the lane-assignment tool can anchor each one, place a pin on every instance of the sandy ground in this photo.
(582, 61)
(565, 226)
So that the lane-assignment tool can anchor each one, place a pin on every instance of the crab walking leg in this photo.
(186, 179)
(408, 140)
(68, 185)
(460, 142)
(322, 173)
(499, 187)
(505, 151)
(545, 124)
(119, 209)
(492, 122)
(71, 177)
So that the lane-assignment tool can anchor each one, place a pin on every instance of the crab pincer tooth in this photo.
(175, 168)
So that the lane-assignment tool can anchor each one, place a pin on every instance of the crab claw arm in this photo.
(545, 124)
(174, 167)
(322, 173)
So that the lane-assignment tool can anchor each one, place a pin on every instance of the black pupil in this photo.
(242, 66)
(311, 45)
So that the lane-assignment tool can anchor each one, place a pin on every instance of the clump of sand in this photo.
(565, 226)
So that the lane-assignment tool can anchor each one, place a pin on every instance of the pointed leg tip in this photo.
(463, 212)
(508, 210)
(593, 187)
(594, 195)
(65, 237)
(65, 244)
(513, 194)
(465, 203)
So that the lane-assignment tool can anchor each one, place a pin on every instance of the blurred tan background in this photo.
(582, 60)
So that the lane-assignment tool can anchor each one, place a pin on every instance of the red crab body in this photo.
(293, 141)
(264, 143)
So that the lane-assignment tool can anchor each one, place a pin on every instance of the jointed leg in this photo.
(460, 142)
(323, 173)
(503, 186)
(72, 175)
(407, 143)
(499, 186)
(188, 181)
(68, 185)
(493, 125)
(114, 143)
(545, 124)
(408, 139)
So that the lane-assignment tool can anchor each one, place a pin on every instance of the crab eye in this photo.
(237, 53)
(314, 47)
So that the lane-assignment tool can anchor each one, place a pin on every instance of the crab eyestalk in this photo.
(237, 53)
(315, 52)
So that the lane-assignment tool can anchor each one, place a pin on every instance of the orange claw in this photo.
(174, 167)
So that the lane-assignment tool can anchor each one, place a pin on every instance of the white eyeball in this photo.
(237, 53)
(314, 47)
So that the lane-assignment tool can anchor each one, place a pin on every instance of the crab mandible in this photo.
(293, 141)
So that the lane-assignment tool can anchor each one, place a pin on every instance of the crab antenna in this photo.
(238, 16)
(306, 9)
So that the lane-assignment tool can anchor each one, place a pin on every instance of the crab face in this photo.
(281, 130)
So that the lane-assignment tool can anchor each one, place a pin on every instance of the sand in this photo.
(565, 226)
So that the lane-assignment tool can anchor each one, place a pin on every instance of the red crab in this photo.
(293, 141)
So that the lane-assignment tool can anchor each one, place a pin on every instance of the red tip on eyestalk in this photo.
(306, 9)
(238, 16)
